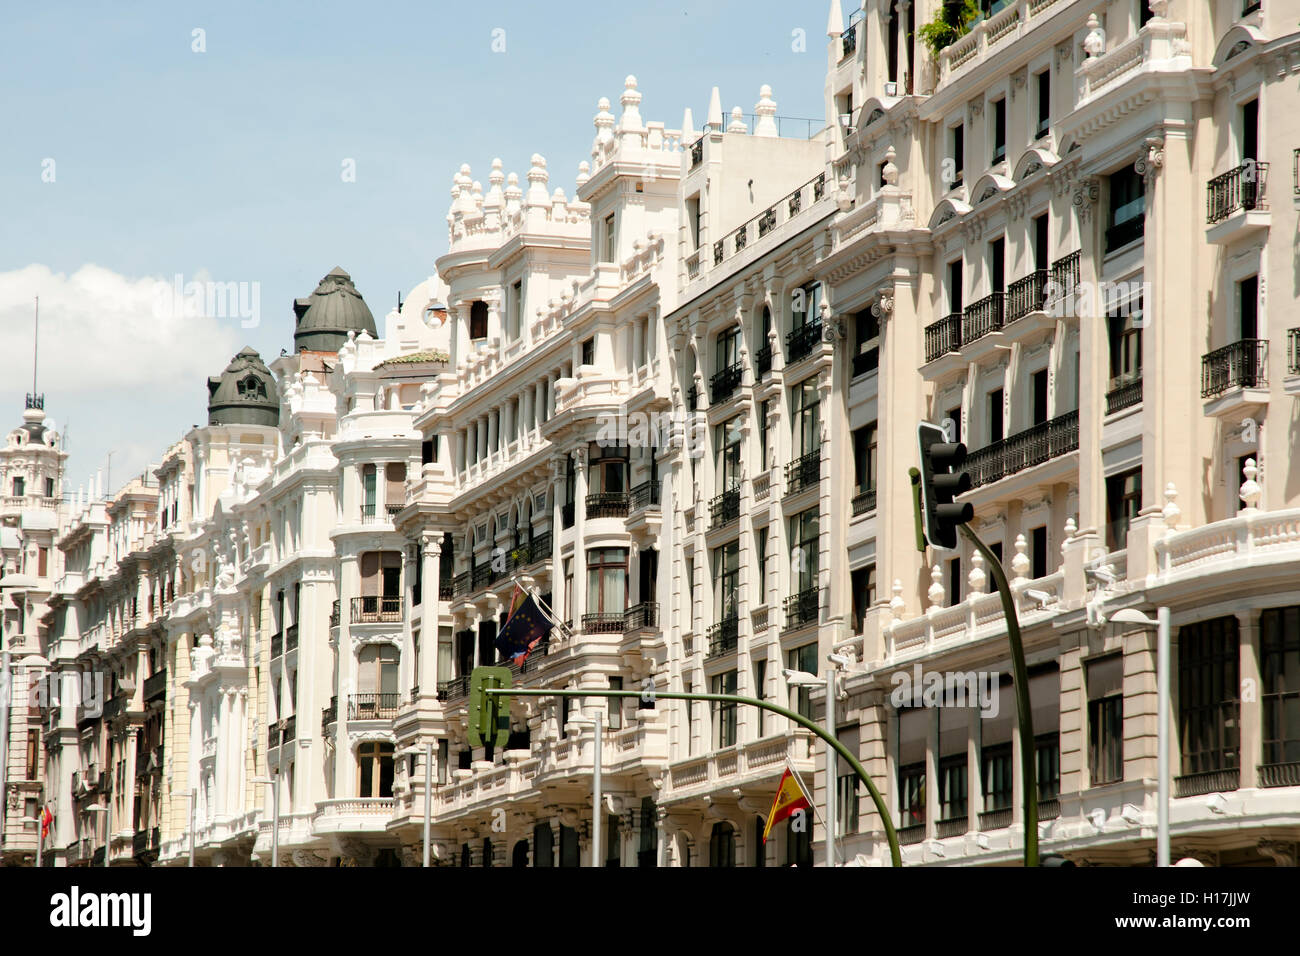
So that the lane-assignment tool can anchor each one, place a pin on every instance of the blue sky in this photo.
(228, 164)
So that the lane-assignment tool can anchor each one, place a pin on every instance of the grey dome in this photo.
(330, 313)
(244, 394)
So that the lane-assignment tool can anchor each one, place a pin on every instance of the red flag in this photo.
(46, 819)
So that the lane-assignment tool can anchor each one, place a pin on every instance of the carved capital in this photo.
(1085, 194)
(1151, 160)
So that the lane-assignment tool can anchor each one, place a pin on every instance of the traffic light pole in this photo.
(891, 835)
(1028, 759)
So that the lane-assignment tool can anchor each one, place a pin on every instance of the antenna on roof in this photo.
(399, 300)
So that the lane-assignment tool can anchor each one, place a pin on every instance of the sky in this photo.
(264, 144)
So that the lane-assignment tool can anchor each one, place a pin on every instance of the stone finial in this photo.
(495, 179)
(1070, 529)
(558, 205)
(1094, 44)
(897, 606)
(476, 194)
(688, 125)
(631, 103)
(537, 179)
(977, 577)
(1020, 565)
(464, 201)
(604, 123)
(514, 195)
(584, 174)
(737, 124)
(890, 171)
(1171, 512)
(714, 120)
(1250, 490)
(936, 593)
(765, 111)
(1159, 8)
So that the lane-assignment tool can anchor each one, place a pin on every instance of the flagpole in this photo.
(806, 792)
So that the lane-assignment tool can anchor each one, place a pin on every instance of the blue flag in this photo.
(524, 630)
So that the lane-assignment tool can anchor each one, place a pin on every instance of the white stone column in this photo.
(579, 536)
(430, 588)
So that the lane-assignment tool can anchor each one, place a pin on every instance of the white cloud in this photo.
(102, 331)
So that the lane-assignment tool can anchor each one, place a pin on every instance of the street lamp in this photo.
(804, 679)
(274, 782)
(594, 719)
(108, 824)
(1130, 615)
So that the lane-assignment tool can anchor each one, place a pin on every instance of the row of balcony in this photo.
(155, 686)
(281, 732)
(766, 221)
(1238, 190)
(484, 575)
(995, 311)
(1033, 446)
(801, 610)
(638, 616)
(371, 513)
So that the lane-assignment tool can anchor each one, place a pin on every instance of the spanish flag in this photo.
(789, 798)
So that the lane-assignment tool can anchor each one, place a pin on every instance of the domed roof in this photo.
(244, 394)
(330, 313)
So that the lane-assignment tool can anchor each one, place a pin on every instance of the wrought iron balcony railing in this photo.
(724, 508)
(982, 317)
(1243, 364)
(446, 589)
(697, 152)
(803, 472)
(1033, 446)
(723, 637)
(460, 584)
(800, 342)
(864, 501)
(724, 383)
(849, 42)
(329, 715)
(911, 835)
(644, 495)
(1211, 781)
(1064, 276)
(454, 689)
(1293, 351)
(608, 622)
(1237, 190)
(277, 645)
(372, 706)
(291, 638)
(643, 615)
(802, 609)
(763, 361)
(290, 728)
(1279, 774)
(607, 504)
(943, 336)
(995, 819)
(335, 614)
(692, 398)
(374, 609)
(1124, 396)
(1026, 295)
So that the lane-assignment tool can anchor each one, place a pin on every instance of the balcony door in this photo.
(728, 353)
(606, 580)
(727, 438)
(375, 770)
(805, 419)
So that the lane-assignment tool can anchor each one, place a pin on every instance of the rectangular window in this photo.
(1045, 706)
(954, 416)
(611, 240)
(846, 802)
(478, 320)
(998, 265)
(760, 558)
(958, 153)
(764, 456)
(805, 305)
(1041, 252)
(1000, 130)
(1043, 81)
(805, 421)
(1038, 383)
(995, 751)
(690, 591)
(954, 287)
(20, 487)
(615, 705)
(995, 416)
(589, 351)
(1249, 130)
(724, 714)
(445, 653)
(516, 309)
(864, 458)
(864, 594)
(1279, 630)
(1209, 718)
(954, 581)
(33, 754)
(913, 729)
(42, 561)
(1123, 501)
(1105, 678)
(760, 693)
(1127, 211)
(726, 576)
(804, 548)
(1038, 552)
(1248, 308)
(728, 349)
(726, 441)
(606, 580)
(693, 219)
(49, 487)
(952, 763)
(1124, 325)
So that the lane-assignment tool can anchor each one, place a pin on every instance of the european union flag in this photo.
(527, 627)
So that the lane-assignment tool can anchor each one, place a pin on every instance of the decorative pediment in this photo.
(946, 210)
(1236, 42)
(989, 186)
(1032, 161)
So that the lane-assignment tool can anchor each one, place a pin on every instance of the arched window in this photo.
(487, 852)
(519, 856)
(543, 846)
(722, 845)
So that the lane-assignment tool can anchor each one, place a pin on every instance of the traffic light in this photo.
(941, 482)
(489, 714)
